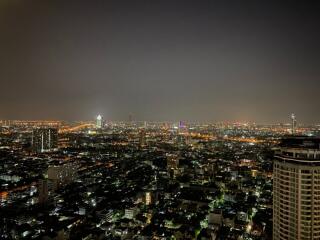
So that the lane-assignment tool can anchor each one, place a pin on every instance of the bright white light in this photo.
(99, 117)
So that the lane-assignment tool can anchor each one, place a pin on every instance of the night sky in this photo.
(210, 61)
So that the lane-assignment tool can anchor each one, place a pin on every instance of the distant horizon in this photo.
(166, 121)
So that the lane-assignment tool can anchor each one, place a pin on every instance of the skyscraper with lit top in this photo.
(99, 122)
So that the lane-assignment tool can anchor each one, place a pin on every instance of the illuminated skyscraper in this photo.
(148, 199)
(293, 123)
(99, 122)
(296, 189)
(44, 139)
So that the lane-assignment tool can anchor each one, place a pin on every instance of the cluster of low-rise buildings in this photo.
(132, 181)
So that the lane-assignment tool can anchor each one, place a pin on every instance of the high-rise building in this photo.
(62, 174)
(148, 198)
(293, 123)
(296, 189)
(173, 165)
(43, 190)
(44, 139)
(142, 139)
(99, 122)
(172, 161)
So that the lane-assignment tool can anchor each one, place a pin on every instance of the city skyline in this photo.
(160, 61)
(96, 118)
(168, 119)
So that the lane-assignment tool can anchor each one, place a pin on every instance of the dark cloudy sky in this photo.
(160, 60)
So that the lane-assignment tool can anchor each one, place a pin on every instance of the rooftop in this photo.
(303, 142)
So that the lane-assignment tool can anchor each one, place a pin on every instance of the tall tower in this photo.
(99, 121)
(296, 189)
(293, 123)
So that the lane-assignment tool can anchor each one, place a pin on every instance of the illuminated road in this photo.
(76, 128)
